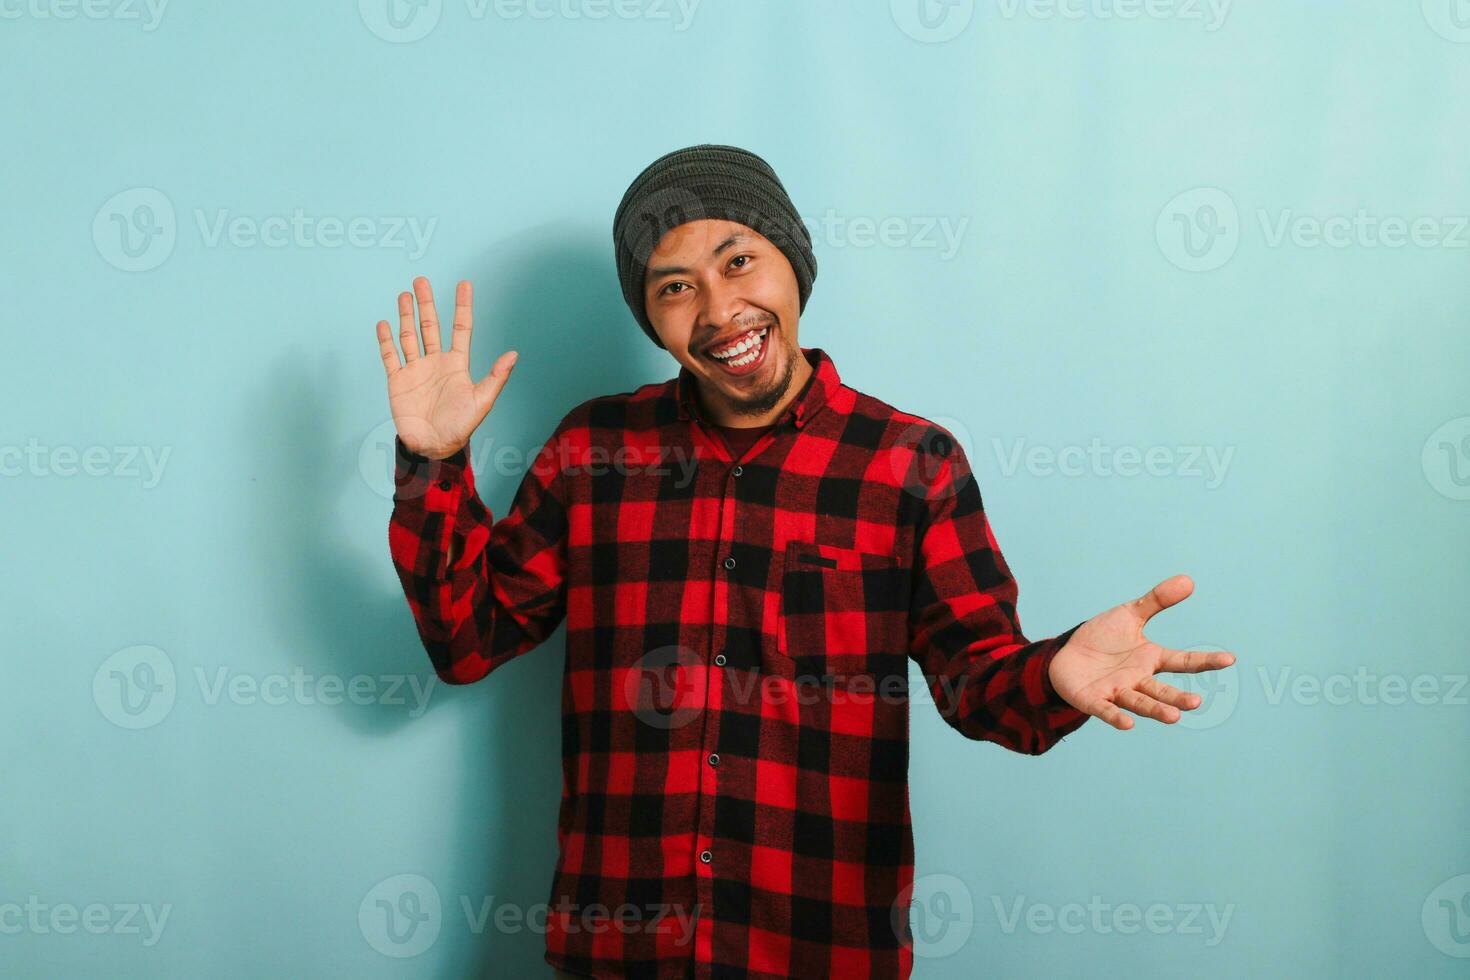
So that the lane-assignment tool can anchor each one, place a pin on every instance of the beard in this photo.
(762, 400)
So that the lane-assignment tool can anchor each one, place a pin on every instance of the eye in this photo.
(665, 290)
(737, 258)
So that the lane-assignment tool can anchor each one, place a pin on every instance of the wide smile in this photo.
(741, 355)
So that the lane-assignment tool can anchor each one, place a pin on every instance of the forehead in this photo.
(696, 240)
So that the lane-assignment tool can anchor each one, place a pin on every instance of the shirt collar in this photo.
(822, 384)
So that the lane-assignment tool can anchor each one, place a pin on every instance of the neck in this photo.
(720, 413)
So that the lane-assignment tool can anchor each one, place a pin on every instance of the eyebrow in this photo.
(677, 270)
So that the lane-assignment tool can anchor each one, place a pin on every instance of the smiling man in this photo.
(735, 729)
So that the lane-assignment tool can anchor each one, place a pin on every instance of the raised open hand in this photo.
(1108, 664)
(435, 404)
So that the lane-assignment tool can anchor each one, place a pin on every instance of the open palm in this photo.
(435, 404)
(1108, 664)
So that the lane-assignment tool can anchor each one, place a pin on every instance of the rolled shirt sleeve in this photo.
(988, 680)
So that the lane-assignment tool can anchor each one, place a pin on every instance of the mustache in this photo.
(762, 319)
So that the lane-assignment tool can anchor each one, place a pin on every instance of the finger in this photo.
(408, 338)
(1110, 713)
(464, 299)
(1143, 705)
(1163, 595)
(385, 344)
(1193, 661)
(487, 389)
(1169, 694)
(428, 319)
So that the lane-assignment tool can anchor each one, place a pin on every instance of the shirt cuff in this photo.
(423, 478)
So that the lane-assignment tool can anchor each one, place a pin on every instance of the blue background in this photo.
(1135, 271)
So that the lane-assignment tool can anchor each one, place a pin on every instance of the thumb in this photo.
(1168, 592)
(487, 389)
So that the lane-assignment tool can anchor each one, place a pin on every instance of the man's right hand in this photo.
(435, 404)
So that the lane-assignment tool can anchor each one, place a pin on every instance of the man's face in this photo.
(714, 285)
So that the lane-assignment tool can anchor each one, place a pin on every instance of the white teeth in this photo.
(737, 355)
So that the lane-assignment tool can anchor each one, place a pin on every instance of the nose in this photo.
(722, 304)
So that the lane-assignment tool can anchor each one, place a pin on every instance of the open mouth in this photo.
(740, 355)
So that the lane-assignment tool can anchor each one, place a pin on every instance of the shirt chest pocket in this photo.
(844, 613)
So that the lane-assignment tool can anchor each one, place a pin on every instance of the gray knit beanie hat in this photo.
(705, 181)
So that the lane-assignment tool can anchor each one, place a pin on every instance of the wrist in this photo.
(1058, 644)
(415, 473)
(438, 455)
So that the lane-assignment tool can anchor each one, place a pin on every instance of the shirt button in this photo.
(714, 758)
(738, 469)
(445, 484)
(719, 660)
(706, 856)
(730, 562)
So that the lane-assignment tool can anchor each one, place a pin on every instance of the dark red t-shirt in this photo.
(737, 439)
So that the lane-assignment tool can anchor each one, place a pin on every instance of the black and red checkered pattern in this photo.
(735, 701)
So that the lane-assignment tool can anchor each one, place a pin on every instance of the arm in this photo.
(481, 591)
(988, 680)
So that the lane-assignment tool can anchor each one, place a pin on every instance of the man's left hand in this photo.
(1108, 664)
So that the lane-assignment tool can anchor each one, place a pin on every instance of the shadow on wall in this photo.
(552, 295)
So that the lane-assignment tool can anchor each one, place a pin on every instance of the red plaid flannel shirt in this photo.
(735, 710)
